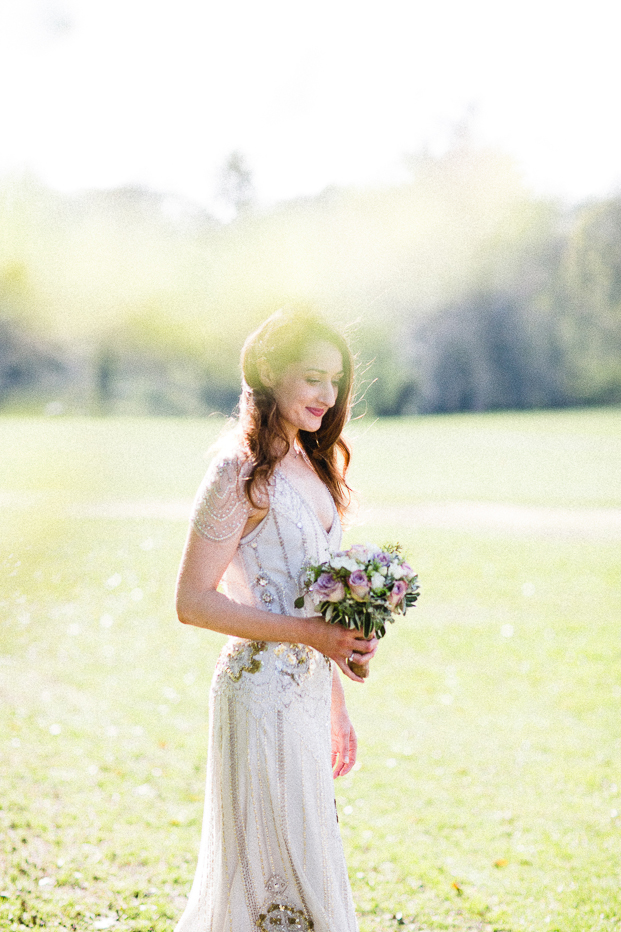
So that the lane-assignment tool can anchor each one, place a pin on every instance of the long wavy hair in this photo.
(281, 340)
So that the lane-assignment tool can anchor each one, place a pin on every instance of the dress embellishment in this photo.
(280, 914)
(276, 884)
(242, 657)
(221, 507)
(279, 917)
(293, 660)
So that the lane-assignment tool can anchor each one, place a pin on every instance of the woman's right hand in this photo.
(342, 644)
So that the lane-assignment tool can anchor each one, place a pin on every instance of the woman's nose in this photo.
(328, 393)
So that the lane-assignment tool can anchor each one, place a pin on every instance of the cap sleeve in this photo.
(221, 507)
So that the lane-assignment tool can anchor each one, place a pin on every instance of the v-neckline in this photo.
(307, 504)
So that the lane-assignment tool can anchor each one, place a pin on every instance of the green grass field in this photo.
(488, 795)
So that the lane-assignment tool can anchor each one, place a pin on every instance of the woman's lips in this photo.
(316, 412)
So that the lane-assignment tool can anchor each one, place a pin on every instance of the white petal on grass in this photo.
(136, 594)
(73, 629)
(391, 762)
(528, 589)
(47, 882)
(105, 922)
(115, 580)
(15, 742)
(106, 621)
(348, 810)
(55, 729)
(145, 789)
(507, 631)
(112, 731)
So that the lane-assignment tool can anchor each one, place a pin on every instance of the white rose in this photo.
(377, 581)
(343, 563)
(396, 571)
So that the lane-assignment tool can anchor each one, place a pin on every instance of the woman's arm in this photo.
(344, 741)
(199, 603)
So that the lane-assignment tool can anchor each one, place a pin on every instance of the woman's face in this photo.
(308, 388)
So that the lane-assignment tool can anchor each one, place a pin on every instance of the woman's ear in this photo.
(265, 372)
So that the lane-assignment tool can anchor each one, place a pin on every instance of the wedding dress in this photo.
(271, 856)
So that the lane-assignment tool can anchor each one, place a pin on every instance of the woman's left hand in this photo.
(344, 742)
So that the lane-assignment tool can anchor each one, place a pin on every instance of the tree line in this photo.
(466, 292)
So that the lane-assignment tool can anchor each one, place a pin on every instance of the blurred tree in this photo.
(590, 285)
(487, 352)
(467, 290)
(235, 186)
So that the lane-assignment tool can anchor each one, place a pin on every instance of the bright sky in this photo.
(99, 93)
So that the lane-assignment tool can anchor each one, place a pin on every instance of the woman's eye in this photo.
(313, 381)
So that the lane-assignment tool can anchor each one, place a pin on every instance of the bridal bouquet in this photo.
(363, 588)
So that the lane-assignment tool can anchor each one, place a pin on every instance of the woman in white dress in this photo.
(271, 856)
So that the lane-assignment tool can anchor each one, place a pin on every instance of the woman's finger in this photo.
(348, 763)
(345, 668)
(342, 752)
(365, 645)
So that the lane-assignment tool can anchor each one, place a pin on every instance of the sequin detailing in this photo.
(276, 884)
(242, 657)
(280, 916)
(293, 660)
(221, 507)
(240, 834)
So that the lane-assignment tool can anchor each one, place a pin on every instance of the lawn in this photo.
(488, 792)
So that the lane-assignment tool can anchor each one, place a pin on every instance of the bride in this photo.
(271, 856)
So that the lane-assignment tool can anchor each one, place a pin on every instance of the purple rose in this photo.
(396, 593)
(384, 559)
(327, 589)
(407, 569)
(359, 585)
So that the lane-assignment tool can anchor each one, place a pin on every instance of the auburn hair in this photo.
(281, 340)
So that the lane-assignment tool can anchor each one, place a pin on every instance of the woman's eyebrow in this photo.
(324, 371)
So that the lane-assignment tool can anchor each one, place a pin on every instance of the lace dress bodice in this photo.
(267, 568)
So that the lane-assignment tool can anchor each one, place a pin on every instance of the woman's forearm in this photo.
(214, 611)
(338, 693)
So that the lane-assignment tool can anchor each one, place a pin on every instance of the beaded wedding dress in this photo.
(271, 856)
